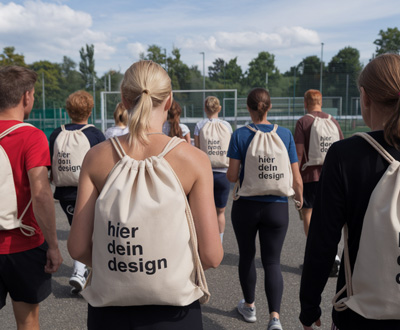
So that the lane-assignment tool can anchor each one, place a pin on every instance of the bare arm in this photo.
(300, 151)
(204, 215)
(197, 141)
(233, 170)
(80, 236)
(187, 138)
(297, 185)
(43, 209)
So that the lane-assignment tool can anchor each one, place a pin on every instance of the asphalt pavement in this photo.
(65, 311)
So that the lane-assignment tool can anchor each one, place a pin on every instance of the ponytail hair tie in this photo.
(146, 91)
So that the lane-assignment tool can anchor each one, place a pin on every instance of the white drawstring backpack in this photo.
(373, 290)
(267, 168)
(214, 140)
(323, 133)
(144, 241)
(8, 202)
(70, 148)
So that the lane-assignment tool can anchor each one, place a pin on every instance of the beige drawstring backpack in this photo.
(323, 133)
(70, 148)
(373, 290)
(214, 140)
(8, 201)
(267, 168)
(144, 241)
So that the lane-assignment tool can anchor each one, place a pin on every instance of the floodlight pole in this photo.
(322, 64)
(204, 77)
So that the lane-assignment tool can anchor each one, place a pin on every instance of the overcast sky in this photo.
(121, 29)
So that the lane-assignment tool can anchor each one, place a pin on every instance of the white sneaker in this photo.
(248, 313)
(78, 281)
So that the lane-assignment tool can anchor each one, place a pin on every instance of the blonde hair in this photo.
(212, 104)
(145, 85)
(381, 82)
(79, 105)
(120, 115)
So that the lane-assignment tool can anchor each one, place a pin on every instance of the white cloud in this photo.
(282, 38)
(48, 31)
(136, 48)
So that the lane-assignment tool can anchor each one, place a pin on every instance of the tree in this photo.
(389, 41)
(51, 73)
(217, 70)
(155, 54)
(233, 73)
(347, 60)
(177, 70)
(10, 58)
(341, 77)
(86, 65)
(310, 76)
(259, 67)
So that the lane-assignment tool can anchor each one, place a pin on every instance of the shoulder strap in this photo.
(63, 127)
(118, 147)
(86, 126)
(376, 146)
(309, 114)
(13, 128)
(171, 145)
(252, 129)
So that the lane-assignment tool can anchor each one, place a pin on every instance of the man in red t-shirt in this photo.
(28, 153)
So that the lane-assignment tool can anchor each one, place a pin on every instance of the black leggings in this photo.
(145, 317)
(271, 221)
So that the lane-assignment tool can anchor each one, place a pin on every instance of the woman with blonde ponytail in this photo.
(147, 95)
(353, 176)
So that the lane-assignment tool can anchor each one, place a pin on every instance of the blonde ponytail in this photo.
(145, 86)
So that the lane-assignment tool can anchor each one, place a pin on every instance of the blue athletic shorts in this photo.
(22, 276)
(221, 189)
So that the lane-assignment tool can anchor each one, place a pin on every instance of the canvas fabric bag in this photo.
(373, 290)
(8, 202)
(70, 148)
(267, 168)
(323, 133)
(144, 242)
(214, 140)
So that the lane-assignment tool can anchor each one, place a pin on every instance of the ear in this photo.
(270, 107)
(168, 104)
(126, 105)
(25, 99)
(365, 98)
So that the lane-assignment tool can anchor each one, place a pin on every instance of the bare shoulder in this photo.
(190, 164)
(191, 155)
(101, 154)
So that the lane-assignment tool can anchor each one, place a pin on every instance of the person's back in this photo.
(192, 169)
(68, 147)
(34, 245)
(309, 170)
(346, 197)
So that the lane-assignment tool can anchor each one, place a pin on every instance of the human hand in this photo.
(317, 323)
(54, 260)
